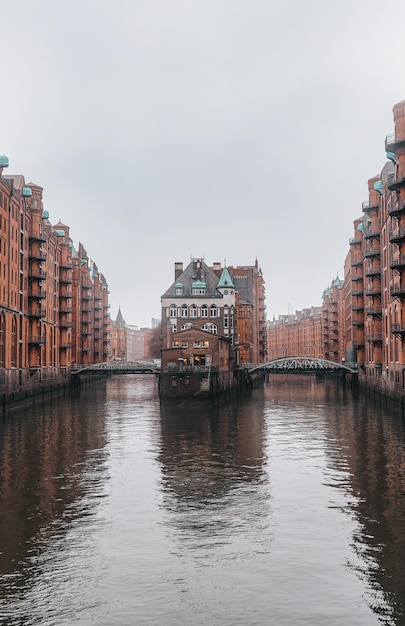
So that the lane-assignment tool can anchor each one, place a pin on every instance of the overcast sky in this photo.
(162, 130)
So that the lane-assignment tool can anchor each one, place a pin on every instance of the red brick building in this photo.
(43, 313)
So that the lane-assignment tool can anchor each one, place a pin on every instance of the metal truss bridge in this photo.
(299, 365)
(117, 367)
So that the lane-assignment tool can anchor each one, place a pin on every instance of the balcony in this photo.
(66, 265)
(397, 234)
(392, 142)
(398, 329)
(375, 337)
(372, 232)
(35, 311)
(36, 294)
(397, 208)
(367, 207)
(64, 345)
(397, 184)
(36, 340)
(373, 291)
(36, 255)
(65, 307)
(36, 274)
(374, 309)
(397, 261)
(37, 236)
(65, 324)
(371, 250)
(398, 290)
(373, 271)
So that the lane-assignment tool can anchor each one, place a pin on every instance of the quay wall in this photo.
(19, 384)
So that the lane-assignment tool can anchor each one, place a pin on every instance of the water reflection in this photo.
(364, 439)
(285, 507)
(52, 471)
(373, 443)
(214, 483)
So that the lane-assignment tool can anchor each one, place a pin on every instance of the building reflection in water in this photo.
(214, 480)
(372, 439)
(364, 438)
(50, 456)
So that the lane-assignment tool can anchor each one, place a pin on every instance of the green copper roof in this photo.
(225, 280)
(45, 214)
(392, 157)
(198, 283)
(378, 186)
(26, 192)
(60, 233)
(3, 160)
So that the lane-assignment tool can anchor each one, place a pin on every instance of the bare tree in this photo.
(155, 343)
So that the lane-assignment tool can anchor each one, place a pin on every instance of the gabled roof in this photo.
(196, 273)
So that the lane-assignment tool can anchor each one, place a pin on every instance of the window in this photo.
(204, 310)
(198, 291)
(173, 310)
(193, 310)
(211, 328)
(213, 310)
(184, 310)
(179, 289)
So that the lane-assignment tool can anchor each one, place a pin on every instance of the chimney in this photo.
(178, 269)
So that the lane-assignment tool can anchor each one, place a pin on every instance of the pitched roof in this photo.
(197, 272)
(225, 280)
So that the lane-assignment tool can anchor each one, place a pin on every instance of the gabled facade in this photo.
(200, 298)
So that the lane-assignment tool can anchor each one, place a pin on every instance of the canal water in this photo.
(286, 507)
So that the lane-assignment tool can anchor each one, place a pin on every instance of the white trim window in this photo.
(193, 310)
(173, 310)
(213, 310)
(184, 310)
(212, 328)
(204, 310)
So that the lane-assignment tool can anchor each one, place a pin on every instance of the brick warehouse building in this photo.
(225, 301)
(53, 300)
(364, 319)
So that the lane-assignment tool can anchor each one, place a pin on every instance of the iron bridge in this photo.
(300, 364)
(117, 367)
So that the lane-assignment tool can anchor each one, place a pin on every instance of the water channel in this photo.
(285, 507)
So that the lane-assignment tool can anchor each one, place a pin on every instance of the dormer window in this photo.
(198, 288)
(179, 289)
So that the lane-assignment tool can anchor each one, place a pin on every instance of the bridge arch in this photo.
(296, 364)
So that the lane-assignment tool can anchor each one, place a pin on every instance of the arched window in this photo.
(193, 310)
(173, 310)
(14, 342)
(2, 340)
(204, 310)
(184, 310)
(213, 310)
